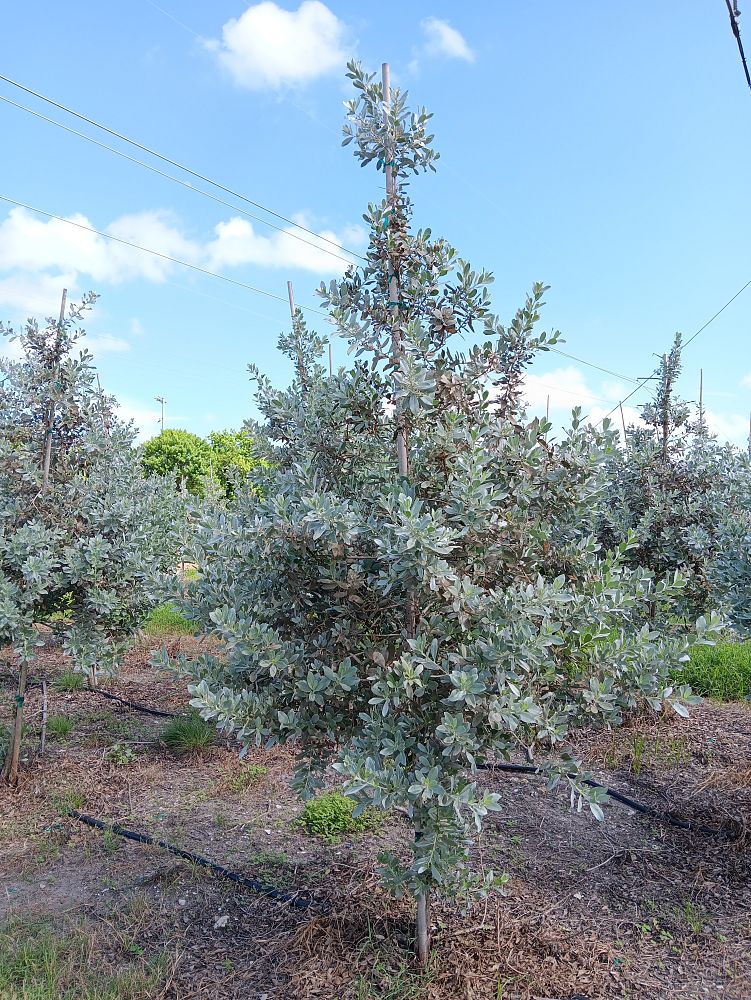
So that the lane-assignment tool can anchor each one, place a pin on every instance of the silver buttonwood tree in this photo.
(414, 587)
(81, 531)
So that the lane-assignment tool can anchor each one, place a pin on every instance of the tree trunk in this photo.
(10, 767)
(93, 677)
(423, 928)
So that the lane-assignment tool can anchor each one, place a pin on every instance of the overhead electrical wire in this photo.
(171, 177)
(590, 364)
(684, 345)
(163, 256)
(734, 14)
(176, 163)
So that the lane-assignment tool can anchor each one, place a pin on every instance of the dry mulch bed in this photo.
(630, 908)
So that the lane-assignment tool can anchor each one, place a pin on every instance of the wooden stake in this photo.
(301, 373)
(51, 408)
(665, 408)
(623, 422)
(396, 340)
(43, 734)
(9, 772)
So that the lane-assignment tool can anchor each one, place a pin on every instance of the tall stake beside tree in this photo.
(413, 588)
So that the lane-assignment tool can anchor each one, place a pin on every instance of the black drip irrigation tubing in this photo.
(682, 824)
(138, 708)
(299, 900)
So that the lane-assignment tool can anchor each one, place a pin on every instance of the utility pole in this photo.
(162, 400)
(701, 400)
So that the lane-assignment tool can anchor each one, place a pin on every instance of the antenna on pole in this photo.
(162, 400)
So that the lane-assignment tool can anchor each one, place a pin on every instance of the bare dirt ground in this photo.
(629, 908)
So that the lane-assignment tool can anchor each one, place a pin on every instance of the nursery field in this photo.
(632, 907)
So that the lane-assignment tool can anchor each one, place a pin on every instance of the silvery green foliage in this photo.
(98, 542)
(730, 567)
(405, 629)
(682, 496)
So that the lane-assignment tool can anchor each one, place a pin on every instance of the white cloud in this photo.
(104, 343)
(146, 418)
(30, 244)
(746, 380)
(237, 243)
(269, 47)
(731, 427)
(564, 388)
(41, 257)
(443, 40)
(23, 295)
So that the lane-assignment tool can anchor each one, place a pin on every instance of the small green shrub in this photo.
(120, 754)
(70, 680)
(60, 725)
(251, 774)
(722, 671)
(69, 799)
(330, 816)
(188, 733)
(167, 620)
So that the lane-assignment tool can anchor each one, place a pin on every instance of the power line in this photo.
(693, 337)
(734, 14)
(171, 177)
(175, 163)
(589, 364)
(157, 253)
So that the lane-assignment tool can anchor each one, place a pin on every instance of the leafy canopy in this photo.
(406, 626)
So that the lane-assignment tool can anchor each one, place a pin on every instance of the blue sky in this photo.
(601, 148)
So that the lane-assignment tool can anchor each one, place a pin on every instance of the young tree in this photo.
(677, 491)
(80, 529)
(180, 454)
(215, 465)
(414, 589)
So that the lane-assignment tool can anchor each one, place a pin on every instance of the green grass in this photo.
(249, 775)
(167, 620)
(39, 963)
(722, 671)
(188, 734)
(330, 816)
(60, 726)
(70, 680)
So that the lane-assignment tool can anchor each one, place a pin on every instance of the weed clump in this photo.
(61, 726)
(188, 733)
(70, 680)
(331, 815)
(249, 775)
